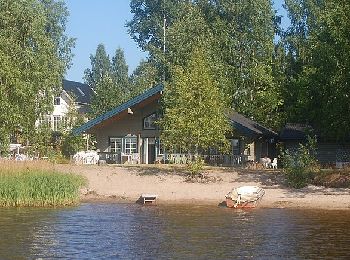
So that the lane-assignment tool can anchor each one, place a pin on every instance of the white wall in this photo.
(58, 110)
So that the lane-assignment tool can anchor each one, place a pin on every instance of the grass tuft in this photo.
(37, 184)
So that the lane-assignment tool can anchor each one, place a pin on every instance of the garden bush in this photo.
(301, 165)
(195, 167)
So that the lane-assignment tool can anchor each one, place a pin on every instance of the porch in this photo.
(175, 158)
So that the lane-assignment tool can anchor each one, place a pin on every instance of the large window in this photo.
(56, 122)
(127, 145)
(115, 144)
(130, 145)
(149, 121)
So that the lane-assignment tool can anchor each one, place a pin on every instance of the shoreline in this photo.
(125, 184)
(278, 204)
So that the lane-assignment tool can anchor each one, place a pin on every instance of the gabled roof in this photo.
(249, 127)
(81, 92)
(115, 111)
(295, 131)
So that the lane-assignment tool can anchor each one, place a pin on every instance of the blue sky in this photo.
(103, 21)
(92, 22)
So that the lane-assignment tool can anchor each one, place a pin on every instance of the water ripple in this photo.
(128, 231)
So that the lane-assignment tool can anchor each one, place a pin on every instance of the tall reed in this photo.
(37, 184)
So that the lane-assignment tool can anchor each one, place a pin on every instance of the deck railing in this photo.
(214, 160)
(120, 158)
(179, 158)
(110, 157)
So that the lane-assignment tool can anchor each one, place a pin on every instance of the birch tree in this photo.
(194, 118)
(34, 55)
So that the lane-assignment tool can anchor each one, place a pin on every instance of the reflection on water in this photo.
(128, 231)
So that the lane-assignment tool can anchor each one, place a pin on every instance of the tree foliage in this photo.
(120, 72)
(100, 67)
(70, 143)
(144, 77)
(193, 117)
(34, 55)
(237, 36)
(109, 80)
(319, 66)
(244, 32)
(302, 76)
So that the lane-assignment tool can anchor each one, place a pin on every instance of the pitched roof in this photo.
(295, 131)
(249, 127)
(117, 110)
(81, 92)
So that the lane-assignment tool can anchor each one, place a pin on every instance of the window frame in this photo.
(159, 146)
(56, 124)
(115, 148)
(57, 101)
(150, 127)
(130, 144)
(235, 146)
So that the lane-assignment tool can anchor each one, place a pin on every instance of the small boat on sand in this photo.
(244, 197)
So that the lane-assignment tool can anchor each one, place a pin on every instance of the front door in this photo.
(151, 150)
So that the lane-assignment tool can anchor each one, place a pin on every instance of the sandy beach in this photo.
(126, 184)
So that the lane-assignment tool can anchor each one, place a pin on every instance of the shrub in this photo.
(300, 165)
(195, 167)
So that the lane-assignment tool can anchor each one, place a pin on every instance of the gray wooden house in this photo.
(327, 152)
(128, 134)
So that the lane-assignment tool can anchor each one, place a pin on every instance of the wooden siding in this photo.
(128, 124)
(327, 153)
(333, 152)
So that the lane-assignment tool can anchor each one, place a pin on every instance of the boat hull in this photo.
(233, 204)
(244, 197)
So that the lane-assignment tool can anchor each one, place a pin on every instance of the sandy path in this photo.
(128, 183)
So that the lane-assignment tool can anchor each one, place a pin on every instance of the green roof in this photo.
(115, 111)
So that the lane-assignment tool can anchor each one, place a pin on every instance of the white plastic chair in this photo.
(274, 163)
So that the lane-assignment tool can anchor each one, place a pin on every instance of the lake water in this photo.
(130, 231)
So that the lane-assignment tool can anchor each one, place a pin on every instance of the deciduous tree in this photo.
(239, 40)
(318, 80)
(120, 74)
(194, 113)
(34, 55)
(144, 77)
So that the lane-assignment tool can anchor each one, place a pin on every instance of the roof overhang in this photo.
(249, 127)
(120, 111)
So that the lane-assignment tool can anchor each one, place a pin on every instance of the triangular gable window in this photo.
(149, 122)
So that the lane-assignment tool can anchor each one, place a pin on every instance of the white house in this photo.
(72, 92)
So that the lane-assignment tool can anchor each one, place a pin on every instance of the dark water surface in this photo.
(128, 231)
